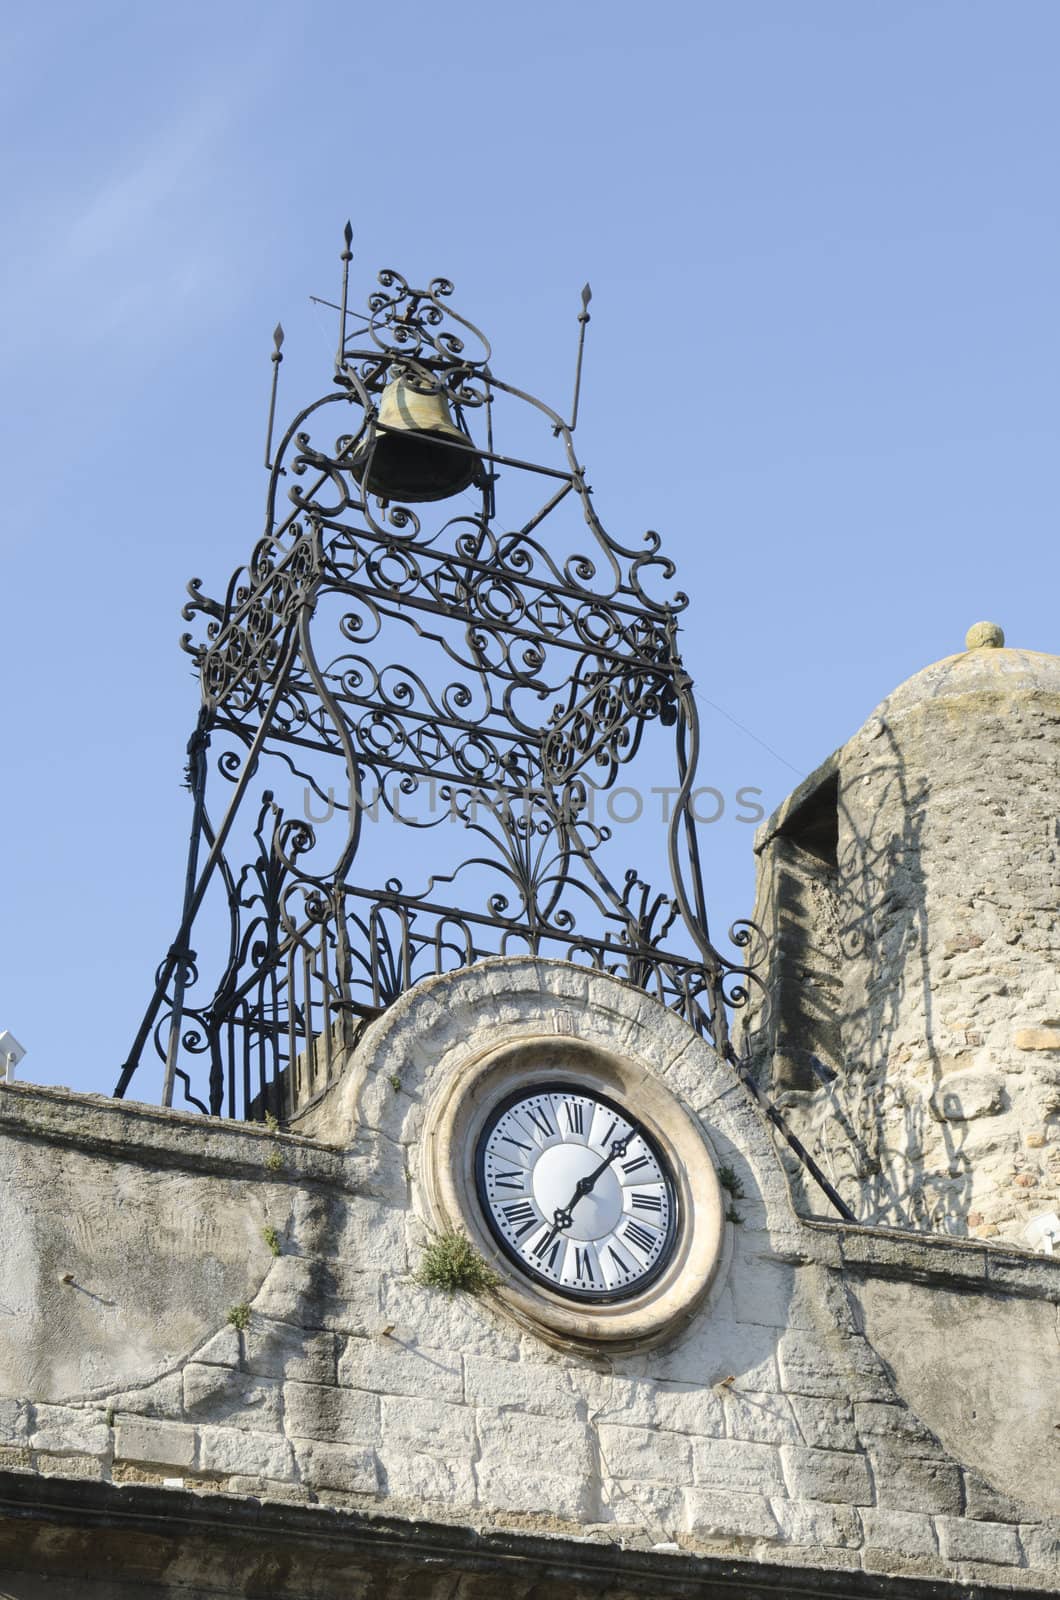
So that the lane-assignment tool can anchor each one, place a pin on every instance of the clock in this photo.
(577, 1192)
(574, 1168)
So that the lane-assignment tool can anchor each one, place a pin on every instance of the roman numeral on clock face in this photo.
(637, 1234)
(520, 1216)
(539, 1118)
(650, 1204)
(583, 1265)
(509, 1180)
(636, 1165)
(547, 1247)
(575, 1114)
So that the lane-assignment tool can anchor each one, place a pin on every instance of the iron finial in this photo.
(583, 318)
(277, 357)
(345, 258)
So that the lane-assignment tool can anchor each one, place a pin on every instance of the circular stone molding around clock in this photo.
(580, 1177)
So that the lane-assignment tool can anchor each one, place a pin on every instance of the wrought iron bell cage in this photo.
(534, 676)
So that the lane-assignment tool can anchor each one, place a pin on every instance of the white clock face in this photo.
(577, 1193)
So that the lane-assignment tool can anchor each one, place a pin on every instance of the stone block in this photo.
(908, 1483)
(963, 1540)
(987, 1504)
(353, 1469)
(894, 1426)
(686, 1408)
(313, 1292)
(464, 1322)
(66, 1430)
(716, 1349)
(810, 1522)
(217, 1394)
(1041, 1544)
(1036, 1038)
(827, 1424)
(782, 1293)
(338, 1416)
(384, 1366)
(904, 1257)
(376, 1235)
(82, 1468)
(633, 1502)
(545, 1445)
(14, 1421)
(540, 1494)
(432, 1426)
(262, 1489)
(964, 1096)
(222, 1349)
(279, 1350)
(909, 1532)
(762, 1290)
(237, 1450)
(154, 1443)
(827, 1475)
(715, 1514)
(413, 1476)
(638, 1402)
(764, 1418)
(831, 1369)
(514, 1386)
(645, 1453)
(164, 1398)
(737, 1466)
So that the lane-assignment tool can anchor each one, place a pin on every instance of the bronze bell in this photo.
(413, 462)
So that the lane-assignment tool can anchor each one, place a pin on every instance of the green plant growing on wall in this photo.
(239, 1316)
(395, 1082)
(732, 1215)
(272, 1238)
(728, 1180)
(274, 1160)
(271, 1122)
(451, 1262)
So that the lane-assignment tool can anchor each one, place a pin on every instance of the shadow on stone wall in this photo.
(850, 1046)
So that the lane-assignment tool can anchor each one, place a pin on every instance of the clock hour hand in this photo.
(563, 1217)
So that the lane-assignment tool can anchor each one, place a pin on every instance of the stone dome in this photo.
(992, 671)
(911, 889)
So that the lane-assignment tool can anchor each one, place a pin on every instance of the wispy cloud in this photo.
(134, 246)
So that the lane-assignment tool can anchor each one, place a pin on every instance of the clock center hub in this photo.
(555, 1179)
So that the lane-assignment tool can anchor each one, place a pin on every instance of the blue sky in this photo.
(823, 242)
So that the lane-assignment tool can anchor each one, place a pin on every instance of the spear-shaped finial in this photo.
(345, 258)
(583, 318)
(277, 357)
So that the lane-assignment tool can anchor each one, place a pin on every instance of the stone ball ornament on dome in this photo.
(984, 636)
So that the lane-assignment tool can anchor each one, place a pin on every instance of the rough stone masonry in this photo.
(220, 1375)
(911, 887)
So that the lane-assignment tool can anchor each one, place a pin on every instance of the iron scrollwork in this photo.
(528, 677)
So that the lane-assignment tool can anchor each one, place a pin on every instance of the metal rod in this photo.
(333, 305)
(583, 320)
(796, 1144)
(277, 357)
(198, 744)
(346, 258)
(181, 940)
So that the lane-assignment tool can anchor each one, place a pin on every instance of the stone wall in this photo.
(846, 1401)
(915, 1033)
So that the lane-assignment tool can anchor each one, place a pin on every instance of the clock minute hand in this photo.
(564, 1216)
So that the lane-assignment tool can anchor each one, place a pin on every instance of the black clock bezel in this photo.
(566, 1291)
